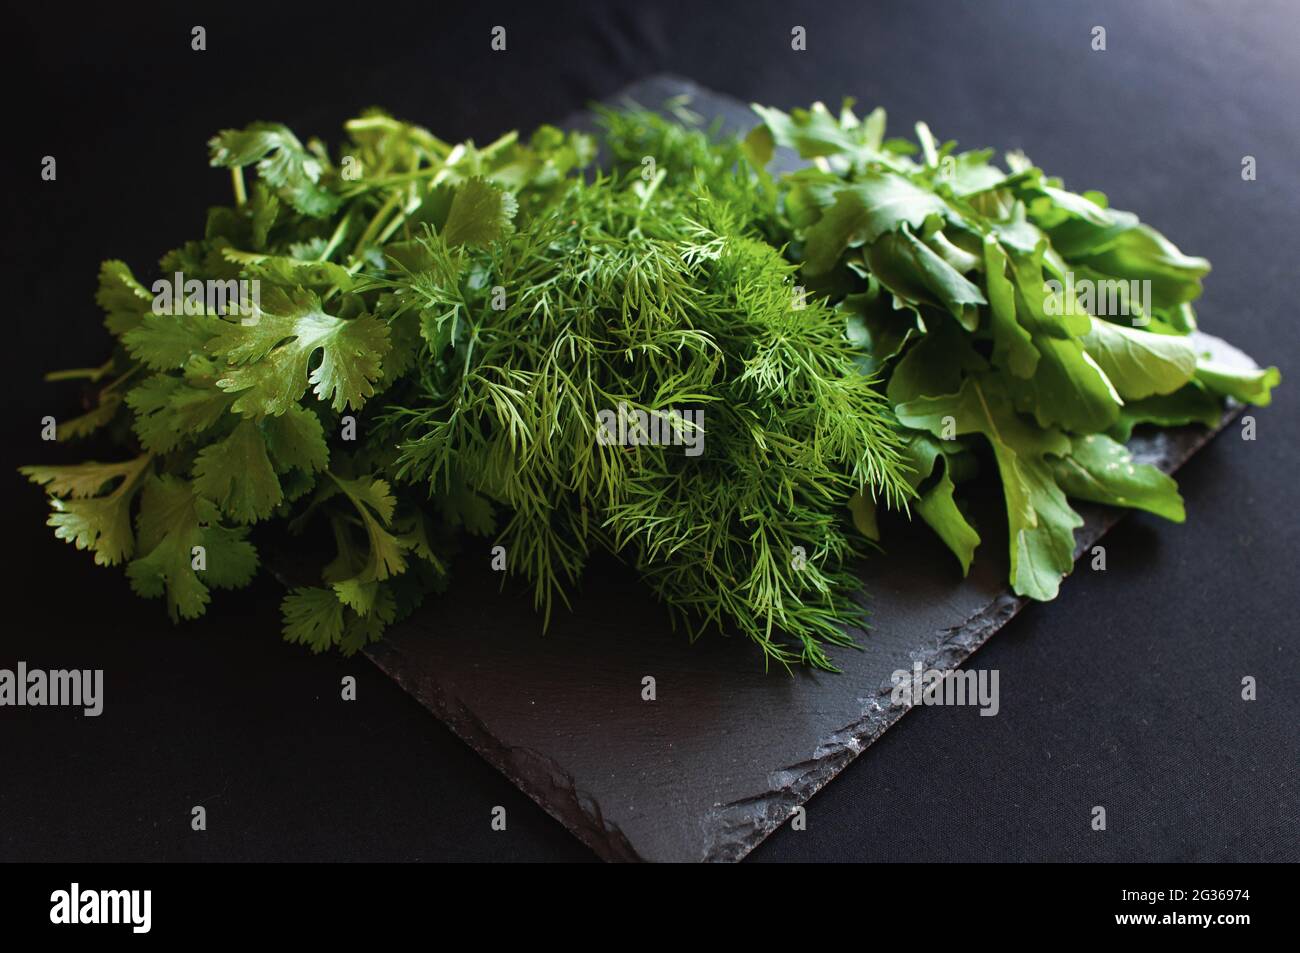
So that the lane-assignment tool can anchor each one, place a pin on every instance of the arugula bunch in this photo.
(1010, 316)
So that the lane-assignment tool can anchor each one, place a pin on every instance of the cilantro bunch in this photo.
(235, 416)
(1012, 318)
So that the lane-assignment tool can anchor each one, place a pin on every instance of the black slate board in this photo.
(727, 751)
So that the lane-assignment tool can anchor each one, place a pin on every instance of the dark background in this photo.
(1124, 690)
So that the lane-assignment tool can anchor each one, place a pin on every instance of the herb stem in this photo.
(372, 229)
(79, 373)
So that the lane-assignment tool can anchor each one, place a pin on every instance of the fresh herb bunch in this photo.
(225, 413)
(1008, 315)
(468, 314)
(651, 296)
(441, 327)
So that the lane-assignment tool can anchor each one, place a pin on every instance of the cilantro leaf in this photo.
(374, 503)
(236, 474)
(282, 162)
(296, 439)
(165, 342)
(124, 300)
(291, 272)
(80, 516)
(480, 213)
(271, 359)
(175, 526)
(86, 424)
(312, 617)
(170, 410)
(360, 631)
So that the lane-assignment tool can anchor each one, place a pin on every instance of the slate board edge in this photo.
(740, 826)
(536, 775)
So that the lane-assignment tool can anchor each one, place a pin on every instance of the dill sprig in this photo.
(621, 296)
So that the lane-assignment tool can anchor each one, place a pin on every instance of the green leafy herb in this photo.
(1009, 316)
(684, 362)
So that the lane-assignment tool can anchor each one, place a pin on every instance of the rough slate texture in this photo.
(727, 751)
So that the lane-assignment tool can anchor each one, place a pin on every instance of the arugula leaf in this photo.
(1013, 346)
(1140, 363)
(1191, 404)
(1103, 471)
(1025, 365)
(915, 273)
(936, 364)
(1039, 517)
(936, 503)
(1248, 385)
(863, 511)
(880, 330)
(1068, 389)
(877, 203)
(1141, 253)
(816, 132)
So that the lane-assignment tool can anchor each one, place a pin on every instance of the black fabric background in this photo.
(1123, 693)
